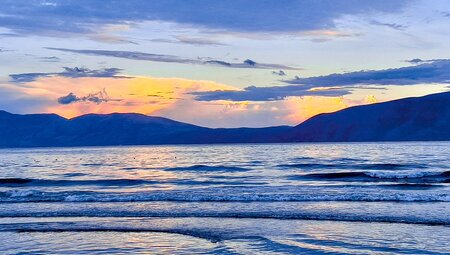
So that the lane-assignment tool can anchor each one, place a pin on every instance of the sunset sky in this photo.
(220, 63)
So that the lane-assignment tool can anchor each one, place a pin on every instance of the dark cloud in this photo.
(279, 73)
(253, 93)
(423, 61)
(49, 59)
(28, 77)
(218, 62)
(96, 98)
(249, 62)
(70, 98)
(75, 72)
(57, 18)
(432, 71)
(3, 50)
(426, 72)
(136, 55)
(390, 25)
(415, 61)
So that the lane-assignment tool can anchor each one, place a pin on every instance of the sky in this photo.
(228, 63)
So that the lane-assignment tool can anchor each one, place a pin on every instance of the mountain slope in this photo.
(38, 130)
(410, 119)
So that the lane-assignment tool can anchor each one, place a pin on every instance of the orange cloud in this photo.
(172, 98)
(141, 95)
(306, 107)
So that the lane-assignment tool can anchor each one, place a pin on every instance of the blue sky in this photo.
(220, 63)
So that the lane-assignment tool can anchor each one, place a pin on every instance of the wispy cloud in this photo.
(136, 55)
(51, 59)
(75, 72)
(325, 35)
(190, 41)
(427, 72)
(394, 26)
(433, 71)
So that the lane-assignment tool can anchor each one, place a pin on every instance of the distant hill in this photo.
(49, 130)
(424, 118)
(411, 119)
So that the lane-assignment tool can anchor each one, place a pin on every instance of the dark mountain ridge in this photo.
(424, 118)
(411, 119)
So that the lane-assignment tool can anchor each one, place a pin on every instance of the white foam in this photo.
(401, 174)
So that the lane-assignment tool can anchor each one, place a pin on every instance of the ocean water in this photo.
(346, 198)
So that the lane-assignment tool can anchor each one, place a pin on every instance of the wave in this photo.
(210, 236)
(379, 176)
(56, 182)
(293, 215)
(206, 168)
(343, 159)
(358, 166)
(19, 182)
(14, 181)
(230, 195)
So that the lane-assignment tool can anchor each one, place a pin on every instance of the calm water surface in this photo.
(355, 198)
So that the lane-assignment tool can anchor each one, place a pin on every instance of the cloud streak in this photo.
(190, 41)
(432, 71)
(69, 72)
(426, 72)
(394, 26)
(143, 56)
(274, 93)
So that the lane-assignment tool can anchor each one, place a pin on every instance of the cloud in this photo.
(279, 73)
(223, 113)
(432, 71)
(168, 97)
(16, 100)
(308, 106)
(325, 35)
(70, 98)
(249, 62)
(333, 85)
(96, 98)
(51, 59)
(394, 26)
(190, 41)
(75, 72)
(415, 61)
(218, 62)
(88, 17)
(4, 50)
(136, 55)
(274, 93)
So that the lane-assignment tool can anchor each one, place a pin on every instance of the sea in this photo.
(305, 198)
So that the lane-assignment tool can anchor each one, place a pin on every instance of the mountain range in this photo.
(424, 118)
